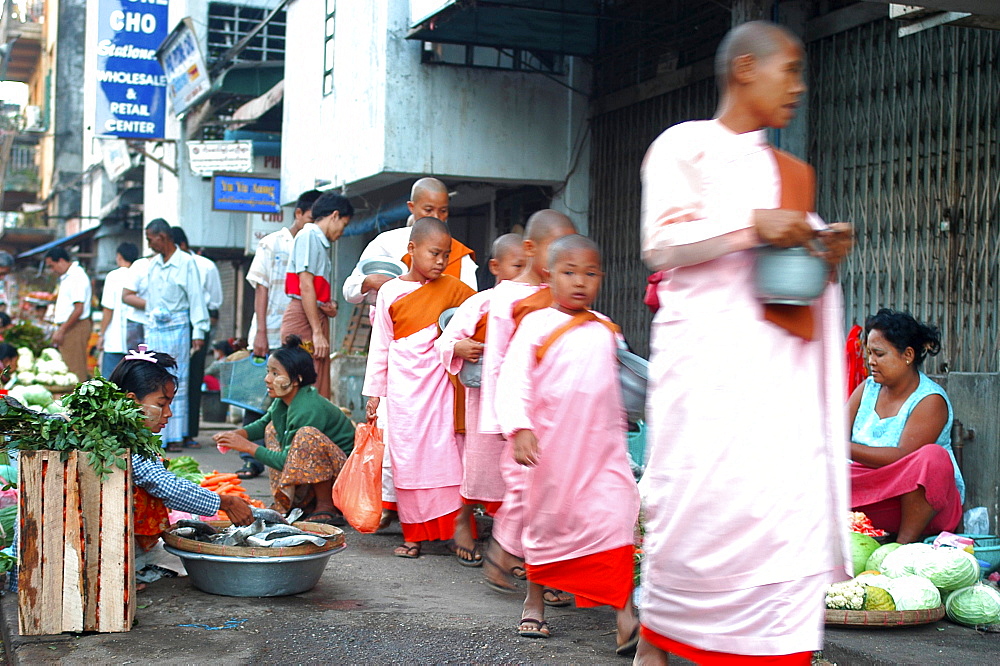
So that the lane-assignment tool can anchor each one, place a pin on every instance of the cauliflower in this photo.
(50, 354)
(44, 378)
(25, 378)
(848, 595)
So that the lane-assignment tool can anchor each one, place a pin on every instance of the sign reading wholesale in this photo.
(246, 193)
(131, 94)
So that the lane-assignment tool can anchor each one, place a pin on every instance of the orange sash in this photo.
(480, 334)
(539, 300)
(798, 192)
(422, 308)
(150, 517)
(579, 319)
(454, 267)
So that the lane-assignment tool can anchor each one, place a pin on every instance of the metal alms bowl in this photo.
(382, 266)
(633, 372)
(254, 576)
(471, 373)
(789, 276)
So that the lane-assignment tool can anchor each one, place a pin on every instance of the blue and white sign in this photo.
(131, 87)
(246, 194)
(184, 66)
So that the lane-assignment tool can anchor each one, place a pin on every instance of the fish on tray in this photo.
(269, 530)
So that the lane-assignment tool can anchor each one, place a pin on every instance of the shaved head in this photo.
(571, 243)
(506, 244)
(428, 227)
(427, 186)
(759, 39)
(543, 224)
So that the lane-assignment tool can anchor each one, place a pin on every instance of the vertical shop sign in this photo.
(131, 87)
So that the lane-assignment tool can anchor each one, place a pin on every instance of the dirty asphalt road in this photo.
(369, 607)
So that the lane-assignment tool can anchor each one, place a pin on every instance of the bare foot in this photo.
(647, 654)
(409, 550)
(501, 568)
(465, 547)
(387, 519)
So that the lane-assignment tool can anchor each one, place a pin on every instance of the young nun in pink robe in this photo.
(461, 342)
(745, 484)
(404, 369)
(559, 400)
(506, 556)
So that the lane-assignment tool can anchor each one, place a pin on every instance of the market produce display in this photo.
(862, 524)
(186, 468)
(48, 369)
(973, 606)
(228, 484)
(862, 547)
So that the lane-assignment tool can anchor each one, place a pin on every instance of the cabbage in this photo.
(862, 546)
(975, 605)
(900, 561)
(913, 593)
(877, 598)
(37, 396)
(875, 561)
(948, 568)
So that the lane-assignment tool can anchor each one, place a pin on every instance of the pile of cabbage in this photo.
(48, 369)
(919, 576)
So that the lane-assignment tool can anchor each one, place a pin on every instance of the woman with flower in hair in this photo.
(904, 474)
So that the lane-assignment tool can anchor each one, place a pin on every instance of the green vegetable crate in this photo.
(76, 560)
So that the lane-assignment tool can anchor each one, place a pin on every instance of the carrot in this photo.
(224, 488)
(215, 476)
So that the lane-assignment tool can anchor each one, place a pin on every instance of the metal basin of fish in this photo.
(254, 576)
(789, 276)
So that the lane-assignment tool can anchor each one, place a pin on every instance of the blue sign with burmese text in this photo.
(131, 87)
(246, 194)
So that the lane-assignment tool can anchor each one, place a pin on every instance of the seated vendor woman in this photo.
(903, 473)
(306, 437)
(145, 377)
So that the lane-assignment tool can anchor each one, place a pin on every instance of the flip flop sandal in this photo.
(519, 572)
(334, 519)
(474, 559)
(627, 649)
(555, 598)
(248, 471)
(174, 447)
(540, 630)
(409, 552)
(498, 587)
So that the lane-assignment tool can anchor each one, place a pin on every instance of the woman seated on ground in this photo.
(306, 437)
(145, 377)
(903, 474)
(8, 364)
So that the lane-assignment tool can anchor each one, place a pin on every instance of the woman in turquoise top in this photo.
(903, 474)
(306, 437)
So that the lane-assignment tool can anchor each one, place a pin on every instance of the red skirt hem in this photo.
(710, 658)
(389, 506)
(436, 529)
(601, 579)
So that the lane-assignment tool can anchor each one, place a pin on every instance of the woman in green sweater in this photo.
(306, 437)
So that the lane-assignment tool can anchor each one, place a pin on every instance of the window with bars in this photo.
(331, 10)
(229, 23)
(488, 57)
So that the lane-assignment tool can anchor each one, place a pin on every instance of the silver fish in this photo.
(200, 528)
(269, 516)
(287, 541)
(294, 515)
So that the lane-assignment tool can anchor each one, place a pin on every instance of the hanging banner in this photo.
(131, 87)
(184, 66)
(246, 194)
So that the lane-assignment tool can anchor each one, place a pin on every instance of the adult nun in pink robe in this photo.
(745, 486)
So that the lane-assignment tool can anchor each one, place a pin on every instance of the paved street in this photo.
(373, 608)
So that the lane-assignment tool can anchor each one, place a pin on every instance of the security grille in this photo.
(620, 139)
(229, 23)
(904, 136)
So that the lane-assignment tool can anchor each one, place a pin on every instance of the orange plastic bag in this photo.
(358, 489)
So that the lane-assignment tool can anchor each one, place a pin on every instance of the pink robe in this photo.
(508, 521)
(581, 498)
(407, 374)
(481, 480)
(745, 484)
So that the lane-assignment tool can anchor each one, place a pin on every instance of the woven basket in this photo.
(852, 618)
(335, 539)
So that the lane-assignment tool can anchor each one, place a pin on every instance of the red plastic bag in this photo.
(358, 489)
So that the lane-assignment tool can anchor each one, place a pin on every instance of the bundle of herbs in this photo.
(102, 423)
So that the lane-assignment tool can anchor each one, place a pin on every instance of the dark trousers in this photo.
(196, 375)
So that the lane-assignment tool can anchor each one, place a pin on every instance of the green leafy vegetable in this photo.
(102, 423)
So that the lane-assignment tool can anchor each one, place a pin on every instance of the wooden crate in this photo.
(76, 560)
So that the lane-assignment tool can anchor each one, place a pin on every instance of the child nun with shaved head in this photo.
(745, 485)
(404, 369)
(461, 342)
(559, 401)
